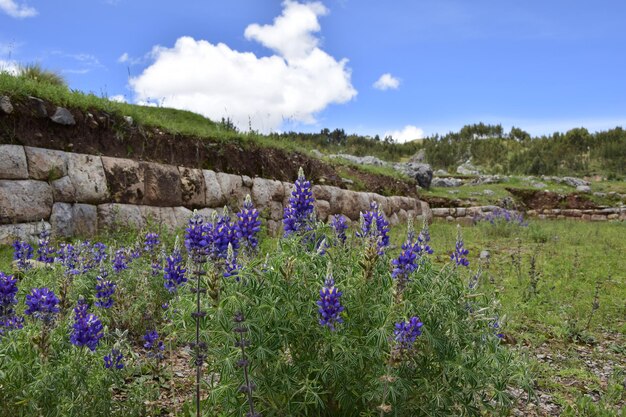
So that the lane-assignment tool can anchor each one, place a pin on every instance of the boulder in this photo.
(161, 185)
(87, 175)
(583, 189)
(46, 164)
(265, 191)
(422, 173)
(181, 216)
(85, 218)
(24, 201)
(125, 180)
(446, 182)
(61, 220)
(231, 186)
(574, 182)
(467, 168)
(63, 116)
(13, 162)
(114, 216)
(322, 210)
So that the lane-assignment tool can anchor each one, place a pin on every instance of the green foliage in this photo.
(36, 73)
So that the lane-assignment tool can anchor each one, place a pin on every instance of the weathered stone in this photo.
(275, 210)
(584, 216)
(426, 212)
(613, 216)
(5, 105)
(214, 195)
(161, 185)
(38, 107)
(161, 217)
(393, 219)
(460, 211)
(573, 181)
(450, 219)
(231, 187)
(264, 191)
(465, 221)
(467, 169)
(446, 182)
(192, 186)
(484, 254)
(384, 203)
(441, 211)
(87, 176)
(13, 164)
(46, 164)
(24, 201)
(63, 190)
(598, 217)
(182, 215)
(85, 218)
(63, 116)
(583, 189)
(321, 192)
(247, 181)
(347, 202)
(273, 228)
(402, 215)
(322, 209)
(61, 220)
(114, 216)
(125, 180)
(22, 231)
(91, 121)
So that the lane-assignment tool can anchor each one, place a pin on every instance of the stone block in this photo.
(46, 164)
(214, 195)
(322, 209)
(321, 192)
(125, 180)
(85, 218)
(193, 187)
(61, 220)
(13, 164)
(182, 216)
(275, 210)
(87, 175)
(264, 191)
(231, 187)
(23, 201)
(63, 190)
(598, 217)
(162, 185)
(22, 231)
(114, 216)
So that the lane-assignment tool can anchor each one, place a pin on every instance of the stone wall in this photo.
(80, 195)
(466, 215)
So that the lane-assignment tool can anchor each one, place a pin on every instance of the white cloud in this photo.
(123, 58)
(296, 82)
(13, 9)
(408, 133)
(386, 82)
(118, 98)
(10, 67)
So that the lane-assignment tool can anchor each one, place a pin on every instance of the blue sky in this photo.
(407, 67)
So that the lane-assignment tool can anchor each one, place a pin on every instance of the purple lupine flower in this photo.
(42, 304)
(298, 215)
(375, 226)
(174, 271)
(330, 307)
(339, 225)
(153, 345)
(248, 225)
(150, 242)
(135, 253)
(502, 215)
(98, 251)
(120, 261)
(68, 256)
(198, 237)
(404, 265)
(105, 289)
(87, 327)
(22, 253)
(10, 323)
(458, 256)
(115, 359)
(495, 325)
(231, 268)
(45, 253)
(8, 292)
(406, 332)
(224, 234)
(421, 246)
(321, 247)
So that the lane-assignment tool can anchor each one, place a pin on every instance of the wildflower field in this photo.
(501, 318)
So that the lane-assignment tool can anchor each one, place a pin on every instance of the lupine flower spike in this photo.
(42, 304)
(114, 360)
(460, 253)
(231, 268)
(339, 225)
(8, 291)
(105, 289)
(248, 225)
(298, 215)
(174, 271)
(87, 328)
(45, 253)
(22, 253)
(330, 307)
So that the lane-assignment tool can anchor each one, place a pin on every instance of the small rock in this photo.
(5, 105)
(347, 181)
(446, 182)
(129, 120)
(485, 254)
(38, 107)
(441, 173)
(467, 169)
(91, 121)
(488, 192)
(63, 116)
(539, 185)
(583, 189)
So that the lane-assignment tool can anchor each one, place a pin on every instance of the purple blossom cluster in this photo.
(8, 298)
(22, 253)
(105, 289)
(45, 252)
(375, 226)
(114, 360)
(248, 225)
(298, 215)
(339, 225)
(460, 253)
(405, 264)
(153, 345)
(151, 242)
(42, 304)
(87, 328)
(406, 332)
(174, 271)
(68, 256)
(330, 307)
(211, 239)
(502, 215)
(120, 261)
